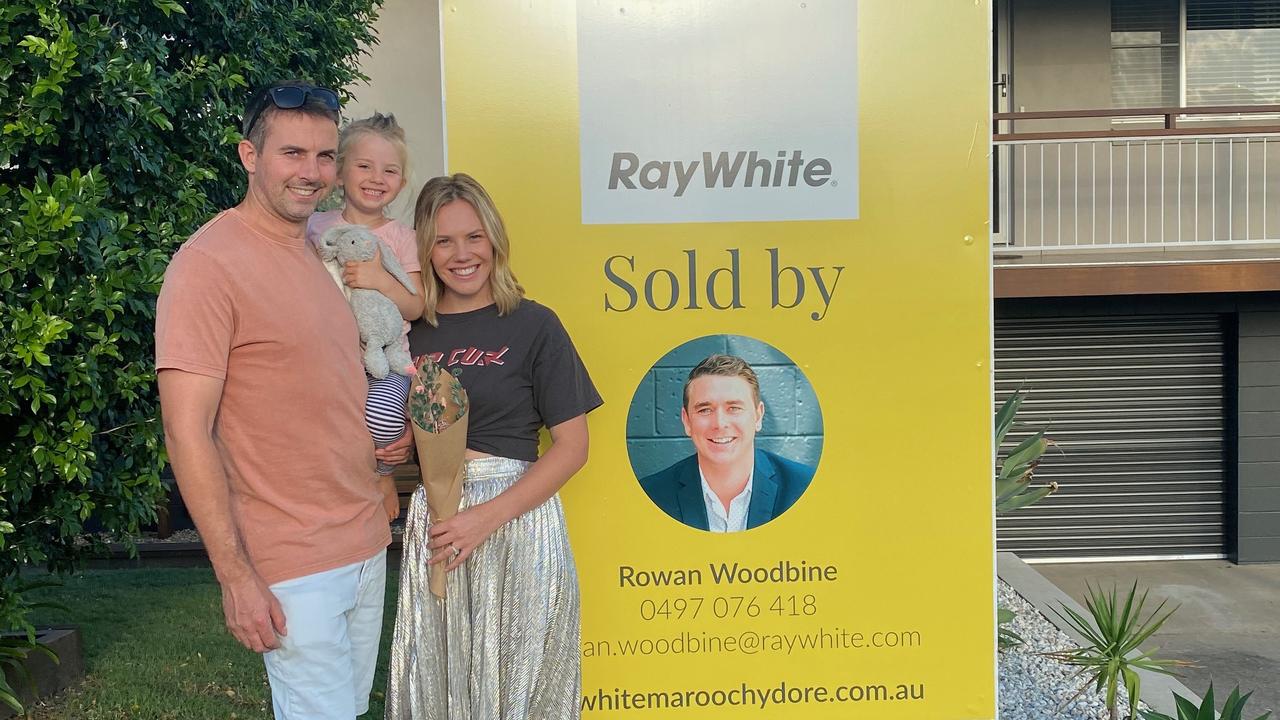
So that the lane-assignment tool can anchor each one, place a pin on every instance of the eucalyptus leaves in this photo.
(432, 407)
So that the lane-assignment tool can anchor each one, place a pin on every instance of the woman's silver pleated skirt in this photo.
(504, 644)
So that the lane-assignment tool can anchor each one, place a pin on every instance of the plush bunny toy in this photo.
(381, 328)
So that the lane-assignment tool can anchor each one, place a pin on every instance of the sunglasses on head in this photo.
(288, 97)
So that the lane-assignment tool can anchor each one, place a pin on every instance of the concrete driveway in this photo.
(1228, 622)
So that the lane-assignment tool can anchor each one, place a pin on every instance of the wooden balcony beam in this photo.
(1014, 281)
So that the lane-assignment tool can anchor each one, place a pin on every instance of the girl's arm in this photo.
(371, 275)
(469, 528)
(410, 306)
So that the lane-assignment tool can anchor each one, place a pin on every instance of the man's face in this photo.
(296, 165)
(722, 418)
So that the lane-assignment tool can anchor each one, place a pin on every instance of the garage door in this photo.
(1135, 405)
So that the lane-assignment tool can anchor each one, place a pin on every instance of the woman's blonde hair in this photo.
(379, 125)
(439, 192)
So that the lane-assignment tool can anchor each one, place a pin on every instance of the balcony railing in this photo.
(1184, 178)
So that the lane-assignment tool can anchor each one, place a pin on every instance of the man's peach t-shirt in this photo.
(260, 312)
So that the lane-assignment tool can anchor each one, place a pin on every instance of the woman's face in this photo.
(462, 258)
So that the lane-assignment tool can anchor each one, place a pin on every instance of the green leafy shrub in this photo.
(1006, 637)
(15, 647)
(1013, 489)
(1233, 709)
(1014, 473)
(117, 128)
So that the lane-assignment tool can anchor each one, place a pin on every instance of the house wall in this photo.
(1259, 423)
(404, 78)
(1061, 59)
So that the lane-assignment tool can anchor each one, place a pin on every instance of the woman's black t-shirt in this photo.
(521, 372)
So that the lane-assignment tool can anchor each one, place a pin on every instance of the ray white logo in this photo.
(680, 120)
(718, 170)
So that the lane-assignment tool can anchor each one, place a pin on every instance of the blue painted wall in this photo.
(792, 419)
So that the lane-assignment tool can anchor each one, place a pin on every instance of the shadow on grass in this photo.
(156, 648)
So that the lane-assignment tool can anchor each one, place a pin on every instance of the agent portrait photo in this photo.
(728, 484)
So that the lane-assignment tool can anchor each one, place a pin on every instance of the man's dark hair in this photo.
(259, 110)
(724, 366)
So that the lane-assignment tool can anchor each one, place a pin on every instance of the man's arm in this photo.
(189, 404)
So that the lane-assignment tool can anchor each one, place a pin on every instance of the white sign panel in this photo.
(718, 110)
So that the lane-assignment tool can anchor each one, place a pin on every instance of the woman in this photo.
(504, 642)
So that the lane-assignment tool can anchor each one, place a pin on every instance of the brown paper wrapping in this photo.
(440, 460)
(437, 409)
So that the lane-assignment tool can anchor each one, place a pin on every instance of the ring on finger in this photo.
(456, 551)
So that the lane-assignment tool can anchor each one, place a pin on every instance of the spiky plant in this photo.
(1187, 710)
(1111, 655)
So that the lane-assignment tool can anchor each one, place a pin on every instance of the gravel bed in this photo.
(1034, 687)
(148, 537)
(178, 536)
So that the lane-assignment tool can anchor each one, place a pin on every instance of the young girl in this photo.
(373, 163)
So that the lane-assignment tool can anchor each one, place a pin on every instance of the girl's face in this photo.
(462, 258)
(372, 174)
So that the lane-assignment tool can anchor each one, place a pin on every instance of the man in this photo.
(728, 484)
(262, 393)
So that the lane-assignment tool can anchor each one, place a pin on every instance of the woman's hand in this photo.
(369, 275)
(454, 540)
(465, 531)
(398, 452)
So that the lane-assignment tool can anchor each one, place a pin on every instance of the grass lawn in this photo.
(155, 647)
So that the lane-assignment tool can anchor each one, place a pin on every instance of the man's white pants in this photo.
(323, 669)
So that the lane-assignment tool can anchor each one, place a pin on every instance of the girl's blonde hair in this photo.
(439, 192)
(379, 125)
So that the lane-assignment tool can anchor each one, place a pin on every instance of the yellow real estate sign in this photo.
(803, 186)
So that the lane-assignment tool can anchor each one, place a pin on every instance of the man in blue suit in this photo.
(728, 484)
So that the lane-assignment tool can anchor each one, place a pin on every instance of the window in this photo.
(1233, 52)
(1144, 53)
(1195, 52)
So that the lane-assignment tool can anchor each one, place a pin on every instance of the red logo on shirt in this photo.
(470, 356)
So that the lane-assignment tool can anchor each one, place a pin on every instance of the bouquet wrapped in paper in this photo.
(438, 413)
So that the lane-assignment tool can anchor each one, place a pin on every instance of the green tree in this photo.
(118, 121)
